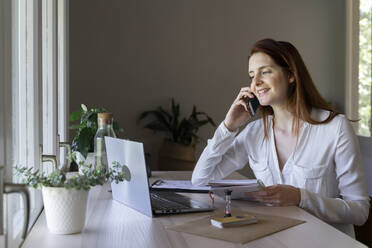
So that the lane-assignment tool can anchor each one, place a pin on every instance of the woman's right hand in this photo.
(238, 113)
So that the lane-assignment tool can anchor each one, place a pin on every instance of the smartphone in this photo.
(252, 105)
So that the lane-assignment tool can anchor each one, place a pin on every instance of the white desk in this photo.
(111, 224)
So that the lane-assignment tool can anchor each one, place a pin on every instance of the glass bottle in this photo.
(105, 122)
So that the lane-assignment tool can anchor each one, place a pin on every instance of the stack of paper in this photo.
(233, 183)
(179, 186)
(218, 187)
(238, 187)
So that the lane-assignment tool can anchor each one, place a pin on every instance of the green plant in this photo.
(179, 131)
(85, 180)
(83, 141)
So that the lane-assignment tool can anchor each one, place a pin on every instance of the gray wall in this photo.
(131, 56)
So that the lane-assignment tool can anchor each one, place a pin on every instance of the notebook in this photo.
(136, 192)
(232, 221)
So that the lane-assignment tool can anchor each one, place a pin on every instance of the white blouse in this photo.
(326, 166)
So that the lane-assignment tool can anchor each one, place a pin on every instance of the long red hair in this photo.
(302, 93)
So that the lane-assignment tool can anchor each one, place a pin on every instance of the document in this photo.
(229, 183)
(218, 187)
(179, 186)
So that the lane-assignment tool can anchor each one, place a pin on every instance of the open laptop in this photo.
(136, 192)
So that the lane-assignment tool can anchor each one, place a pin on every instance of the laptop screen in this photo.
(133, 193)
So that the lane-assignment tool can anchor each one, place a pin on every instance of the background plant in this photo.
(86, 128)
(182, 131)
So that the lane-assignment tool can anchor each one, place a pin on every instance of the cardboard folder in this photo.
(265, 226)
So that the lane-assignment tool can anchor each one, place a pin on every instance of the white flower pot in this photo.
(65, 209)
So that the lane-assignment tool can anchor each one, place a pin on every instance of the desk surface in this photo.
(111, 224)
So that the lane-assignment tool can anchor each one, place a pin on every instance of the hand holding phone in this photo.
(252, 105)
(242, 109)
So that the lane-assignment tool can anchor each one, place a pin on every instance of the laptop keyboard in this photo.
(159, 201)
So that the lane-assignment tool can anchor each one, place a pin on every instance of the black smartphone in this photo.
(252, 105)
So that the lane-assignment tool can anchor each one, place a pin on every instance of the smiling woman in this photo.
(274, 91)
(304, 151)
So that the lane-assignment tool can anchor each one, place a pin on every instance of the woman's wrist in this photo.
(229, 127)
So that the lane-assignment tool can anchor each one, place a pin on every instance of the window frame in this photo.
(25, 133)
(352, 66)
(5, 104)
(352, 61)
(49, 76)
(63, 74)
(34, 57)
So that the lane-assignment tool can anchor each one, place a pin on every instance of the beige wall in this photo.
(131, 56)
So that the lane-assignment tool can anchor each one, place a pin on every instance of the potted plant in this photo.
(65, 194)
(178, 149)
(84, 121)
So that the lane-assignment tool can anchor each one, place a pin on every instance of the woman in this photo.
(302, 149)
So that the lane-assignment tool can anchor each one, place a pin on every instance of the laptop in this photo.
(136, 192)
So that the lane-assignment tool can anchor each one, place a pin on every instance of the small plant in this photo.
(83, 141)
(179, 131)
(85, 180)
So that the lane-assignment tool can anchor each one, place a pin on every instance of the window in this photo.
(33, 95)
(365, 67)
(359, 64)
